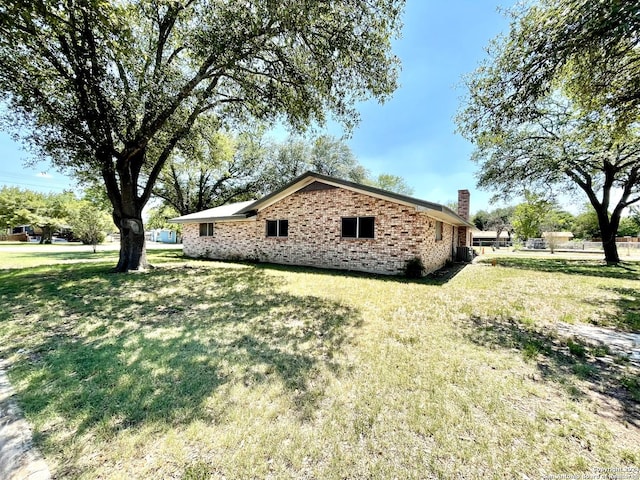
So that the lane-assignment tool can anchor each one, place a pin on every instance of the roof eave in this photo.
(230, 218)
(309, 177)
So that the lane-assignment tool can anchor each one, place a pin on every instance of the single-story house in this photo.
(164, 235)
(558, 237)
(321, 221)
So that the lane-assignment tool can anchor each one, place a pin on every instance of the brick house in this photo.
(321, 221)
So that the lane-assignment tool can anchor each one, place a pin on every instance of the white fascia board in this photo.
(212, 220)
(442, 216)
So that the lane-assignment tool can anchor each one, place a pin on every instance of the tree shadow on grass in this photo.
(627, 303)
(570, 363)
(107, 352)
(623, 271)
(438, 278)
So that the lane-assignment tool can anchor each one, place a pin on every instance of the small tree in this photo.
(628, 228)
(554, 222)
(634, 216)
(528, 216)
(90, 224)
(500, 221)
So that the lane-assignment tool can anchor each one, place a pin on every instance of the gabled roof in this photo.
(223, 212)
(250, 209)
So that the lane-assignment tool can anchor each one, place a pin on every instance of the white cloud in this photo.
(43, 175)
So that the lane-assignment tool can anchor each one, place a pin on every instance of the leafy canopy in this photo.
(543, 111)
(214, 168)
(106, 90)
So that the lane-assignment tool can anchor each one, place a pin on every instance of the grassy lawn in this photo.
(199, 370)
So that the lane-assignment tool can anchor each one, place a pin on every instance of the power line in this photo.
(41, 186)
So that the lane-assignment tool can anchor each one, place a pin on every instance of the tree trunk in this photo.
(133, 254)
(123, 191)
(610, 251)
(608, 230)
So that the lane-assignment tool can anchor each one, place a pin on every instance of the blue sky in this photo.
(413, 133)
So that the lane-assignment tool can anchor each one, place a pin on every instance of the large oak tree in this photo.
(107, 89)
(548, 112)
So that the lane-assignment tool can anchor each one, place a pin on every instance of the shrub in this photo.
(414, 268)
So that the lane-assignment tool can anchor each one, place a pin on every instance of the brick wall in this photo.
(314, 216)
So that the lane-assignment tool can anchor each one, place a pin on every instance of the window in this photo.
(358, 227)
(206, 229)
(277, 228)
(438, 230)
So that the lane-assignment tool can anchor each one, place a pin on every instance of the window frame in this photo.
(209, 229)
(358, 229)
(439, 232)
(279, 228)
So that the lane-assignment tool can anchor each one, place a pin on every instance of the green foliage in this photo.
(632, 384)
(392, 183)
(586, 224)
(107, 90)
(576, 349)
(89, 223)
(17, 206)
(528, 216)
(47, 212)
(414, 268)
(159, 216)
(539, 122)
(592, 45)
(628, 228)
(480, 219)
(634, 215)
(213, 168)
(96, 194)
(499, 219)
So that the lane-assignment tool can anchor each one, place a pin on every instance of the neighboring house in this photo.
(326, 222)
(487, 238)
(558, 237)
(164, 236)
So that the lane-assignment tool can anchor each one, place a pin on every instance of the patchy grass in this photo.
(198, 370)
(23, 255)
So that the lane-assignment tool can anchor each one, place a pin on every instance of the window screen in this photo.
(438, 230)
(365, 227)
(358, 227)
(277, 228)
(283, 228)
(206, 229)
(350, 227)
(272, 228)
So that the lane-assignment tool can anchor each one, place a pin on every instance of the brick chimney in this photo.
(463, 204)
